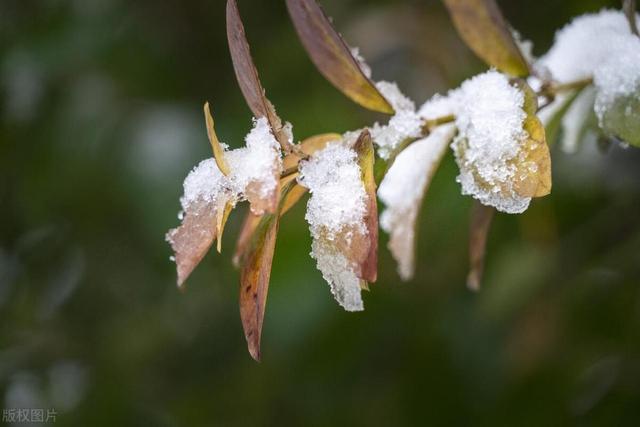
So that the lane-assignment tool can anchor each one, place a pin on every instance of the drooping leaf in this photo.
(332, 56)
(218, 151)
(366, 161)
(193, 238)
(254, 280)
(480, 224)
(256, 261)
(222, 215)
(402, 191)
(247, 74)
(629, 7)
(483, 28)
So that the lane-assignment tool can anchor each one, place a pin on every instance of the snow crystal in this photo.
(338, 197)
(205, 182)
(439, 106)
(403, 188)
(403, 125)
(490, 141)
(255, 168)
(335, 213)
(584, 44)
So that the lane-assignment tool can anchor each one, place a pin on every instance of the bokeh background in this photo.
(101, 120)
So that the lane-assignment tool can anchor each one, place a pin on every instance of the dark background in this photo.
(101, 120)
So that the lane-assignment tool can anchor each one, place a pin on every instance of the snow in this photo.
(405, 123)
(403, 189)
(585, 44)
(338, 197)
(362, 63)
(204, 183)
(599, 46)
(255, 169)
(335, 212)
(490, 141)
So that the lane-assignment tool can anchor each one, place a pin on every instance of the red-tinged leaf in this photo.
(254, 281)
(247, 74)
(483, 28)
(332, 56)
(481, 218)
(366, 161)
(191, 240)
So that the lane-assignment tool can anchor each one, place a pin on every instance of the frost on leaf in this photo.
(205, 197)
(209, 195)
(500, 149)
(601, 46)
(336, 214)
(255, 168)
(403, 125)
(403, 189)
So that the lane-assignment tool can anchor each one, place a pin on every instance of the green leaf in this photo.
(332, 56)
(483, 28)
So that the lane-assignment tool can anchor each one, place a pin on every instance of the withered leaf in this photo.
(332, 56)
(483, 28)
(629, 7)
(257, 258)
(480, 224)
(218, 151)
(249, 225)
(366, 161)
(193, 238)
(247, 74)
(254, 280)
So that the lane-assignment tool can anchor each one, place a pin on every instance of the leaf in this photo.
(247, 74)
(629, 7)
(256, 271)
(481, 219)
(403, 189)
(218, 151)
(332, 56)
(249, 225)
(292, 197)
(366, 161)
(193, 238)
(254, 281)
(222, 215)
(534, 170)
(307, 147)
(483, 28)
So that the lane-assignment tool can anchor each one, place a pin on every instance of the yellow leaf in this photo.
(218, 151)
(366, 161)
(483, 28)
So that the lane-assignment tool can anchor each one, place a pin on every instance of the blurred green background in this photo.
(101, 120)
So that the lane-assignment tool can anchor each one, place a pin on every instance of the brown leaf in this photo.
(292, 197)
(629, 7)
(481, 218)
(254, 281)
(218, 151)
(247, 74)
(332, 56)
(193, 238)
(366, 161)
(483, 28)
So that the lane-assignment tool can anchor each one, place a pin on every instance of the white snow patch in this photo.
(490, 140)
